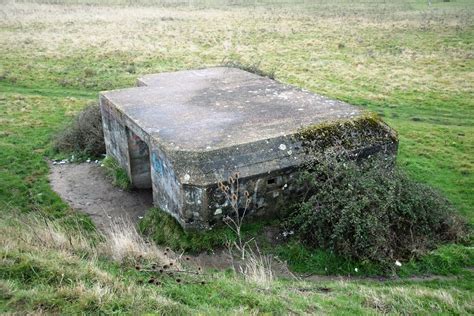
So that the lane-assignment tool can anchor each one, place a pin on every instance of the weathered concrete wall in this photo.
(183, 132)
(167, 191)
(195, 204)
(115, 134)
(124, 141)
(270, 195)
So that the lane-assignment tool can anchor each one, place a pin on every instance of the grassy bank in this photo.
(46, 269)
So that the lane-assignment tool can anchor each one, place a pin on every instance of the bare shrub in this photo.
(235, 218)
(252, 264)
(84, 135)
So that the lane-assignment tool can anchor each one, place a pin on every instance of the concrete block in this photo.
(183, 132)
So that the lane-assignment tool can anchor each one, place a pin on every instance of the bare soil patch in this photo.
(86, 188)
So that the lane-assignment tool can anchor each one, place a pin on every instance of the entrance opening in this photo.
(139, 154)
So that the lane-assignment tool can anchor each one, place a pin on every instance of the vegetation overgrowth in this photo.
(406, 60)
(370, 210)
(45, 268)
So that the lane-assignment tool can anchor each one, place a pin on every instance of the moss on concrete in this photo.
(365, 130)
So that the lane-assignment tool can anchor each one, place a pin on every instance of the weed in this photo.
(235, 219)
(253, 265)
(250, 67)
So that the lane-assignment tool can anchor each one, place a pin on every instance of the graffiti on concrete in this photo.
(157, 163)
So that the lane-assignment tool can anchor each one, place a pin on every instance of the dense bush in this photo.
(370, 210)
(84, 136)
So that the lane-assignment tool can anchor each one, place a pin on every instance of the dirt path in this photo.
(85, 187)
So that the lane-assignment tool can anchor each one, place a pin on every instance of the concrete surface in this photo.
(180, 133)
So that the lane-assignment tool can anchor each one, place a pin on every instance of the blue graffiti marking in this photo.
(157, 163)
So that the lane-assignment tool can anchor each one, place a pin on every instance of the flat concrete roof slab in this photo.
(186, 131)
(208, 109)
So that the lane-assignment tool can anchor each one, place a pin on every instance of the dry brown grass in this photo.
(124, 243)
(70, 265)
(32, 232)
(257, 268)
(121, 243)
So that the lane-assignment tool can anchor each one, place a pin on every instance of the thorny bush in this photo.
(371, 210)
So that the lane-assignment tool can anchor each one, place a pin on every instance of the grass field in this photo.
(410, 62)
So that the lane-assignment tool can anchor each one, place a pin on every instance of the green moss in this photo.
(367, 129)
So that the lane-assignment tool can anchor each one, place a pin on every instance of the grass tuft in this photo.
(125, 244)
(163, 229)
(116, 173)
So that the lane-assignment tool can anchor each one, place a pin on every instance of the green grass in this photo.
(446, 260)
(28, 121)
(117, 174)
(408, 62)
(164, 230)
